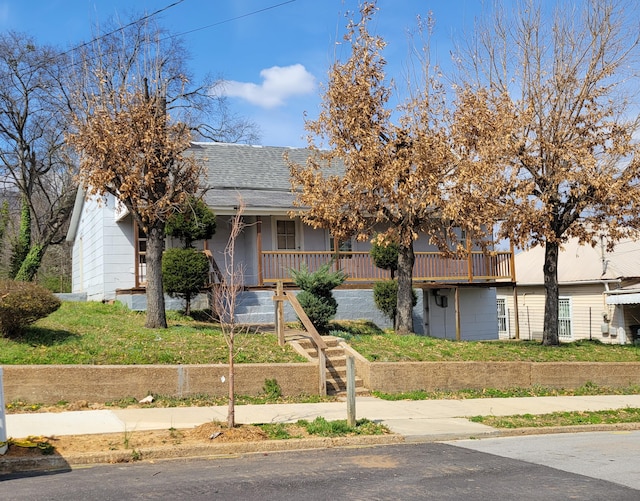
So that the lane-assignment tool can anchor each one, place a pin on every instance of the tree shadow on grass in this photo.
(355, 328)
(38, 336)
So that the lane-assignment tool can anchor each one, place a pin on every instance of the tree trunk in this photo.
(404, 319)
(22, 246)
(31, 264)
(550, 268)
(187, 304)
(231, 414)
(156, 316)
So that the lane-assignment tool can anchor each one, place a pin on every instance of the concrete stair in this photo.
(336, 363)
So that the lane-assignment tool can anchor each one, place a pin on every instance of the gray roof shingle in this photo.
(258, 174)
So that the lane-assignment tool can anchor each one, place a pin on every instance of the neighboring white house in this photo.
(599, 293)
(456, 296)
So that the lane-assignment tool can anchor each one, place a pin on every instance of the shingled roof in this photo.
(257, 174)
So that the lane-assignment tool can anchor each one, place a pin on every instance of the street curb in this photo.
(65, 463)
(579, 428)
(62, 463)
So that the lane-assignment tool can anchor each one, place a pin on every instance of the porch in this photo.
(475, 267)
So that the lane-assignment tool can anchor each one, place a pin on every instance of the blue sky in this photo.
(274, 54)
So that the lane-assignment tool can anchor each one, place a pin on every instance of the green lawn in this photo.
(628, 415)
(96, 333)
(385, 347)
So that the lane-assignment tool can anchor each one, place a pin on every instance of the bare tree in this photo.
(34, 159)
(547, 128)
(225, 300)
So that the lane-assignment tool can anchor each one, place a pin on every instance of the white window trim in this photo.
(329, 240)
(570, 319)
(506, 316)
(298, 229)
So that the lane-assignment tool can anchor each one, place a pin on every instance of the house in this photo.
(456, 296)
(599, 293)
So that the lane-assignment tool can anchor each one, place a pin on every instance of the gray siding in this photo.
(478, 315)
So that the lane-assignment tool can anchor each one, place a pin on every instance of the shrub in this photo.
(195, 221)
(319, 309)
(385, 297)
(385, 256)
(22, 303)
(184, 273)
(320, 282)
(316, 298)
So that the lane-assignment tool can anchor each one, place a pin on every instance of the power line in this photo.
(132, 23)
(232, 19)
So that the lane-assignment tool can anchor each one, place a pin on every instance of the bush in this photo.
(195, 221)
(385, 297)
(319, 309)
(321, 282)
(316, 298)
(385, 257)
(184, 273)
(22, 303)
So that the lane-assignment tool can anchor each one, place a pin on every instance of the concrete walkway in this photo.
(415, 420)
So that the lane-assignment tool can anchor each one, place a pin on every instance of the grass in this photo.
(379, 346)
(272, 394)
(320, 427)
(577, 418)
(323, 428)
(99, 334)
(533, 391)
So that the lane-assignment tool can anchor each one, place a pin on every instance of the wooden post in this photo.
(516, 315)
(279, 313)
(457, 312)
(351, 391)
(259, 249)
(469, 259)
(512, 263)
(322, 372)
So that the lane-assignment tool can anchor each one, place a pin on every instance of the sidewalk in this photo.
(414, 420)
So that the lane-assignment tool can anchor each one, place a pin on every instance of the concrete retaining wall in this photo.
(48, 384)
(430, 376)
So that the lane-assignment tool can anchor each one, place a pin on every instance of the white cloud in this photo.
(278, 84)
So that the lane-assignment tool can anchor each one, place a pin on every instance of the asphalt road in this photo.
(398, 472)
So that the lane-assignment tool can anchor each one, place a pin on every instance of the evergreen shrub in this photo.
(184, 273)
(316, 297)
(385, 297)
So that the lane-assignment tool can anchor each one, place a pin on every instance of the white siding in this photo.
(103, 252)
(587, 310)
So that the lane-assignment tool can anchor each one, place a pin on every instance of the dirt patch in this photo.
(208, 433)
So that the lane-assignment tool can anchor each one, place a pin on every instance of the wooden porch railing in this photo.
(429, 266)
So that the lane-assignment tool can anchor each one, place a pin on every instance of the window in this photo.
(286, 234)
(503, 319)
(141, 257)
(564, 318)
(345, 246)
